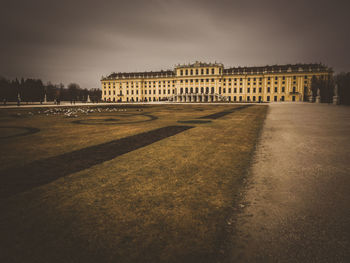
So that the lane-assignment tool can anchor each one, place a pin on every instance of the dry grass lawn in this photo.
(166, 202)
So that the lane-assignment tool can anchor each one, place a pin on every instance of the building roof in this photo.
(148, 74)
(288, 68)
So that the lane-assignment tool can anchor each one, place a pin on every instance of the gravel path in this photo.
(297, 201)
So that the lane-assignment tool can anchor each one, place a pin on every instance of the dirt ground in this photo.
(296, 207)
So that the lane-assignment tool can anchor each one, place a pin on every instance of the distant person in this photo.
(18, 101)
(5, 101)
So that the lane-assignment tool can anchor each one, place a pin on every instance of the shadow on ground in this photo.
(22, 178)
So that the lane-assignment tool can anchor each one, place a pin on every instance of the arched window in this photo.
(207, 90)
(191, 90)
(201, 89)
(212, 90)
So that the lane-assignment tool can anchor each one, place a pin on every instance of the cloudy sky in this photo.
(79, 41)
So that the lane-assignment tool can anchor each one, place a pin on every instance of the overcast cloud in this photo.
(79, 41)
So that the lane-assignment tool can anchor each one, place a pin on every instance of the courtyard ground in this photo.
(122, 183)
(297, 198)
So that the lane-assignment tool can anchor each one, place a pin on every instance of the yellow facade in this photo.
(207, 82)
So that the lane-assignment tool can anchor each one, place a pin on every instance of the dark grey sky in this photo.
(81, 40)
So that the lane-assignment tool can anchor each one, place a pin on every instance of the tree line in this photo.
(327, 88)
(343, 82)
(34, 90)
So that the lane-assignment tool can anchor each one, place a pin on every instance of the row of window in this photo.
(139, 82)
(137, 99)
(249, 90)
(235, 98)
(241, 84)
(138, 86)
(137, 92)
(191, 72)
(160, 91)
(253, 99)
(258, 98)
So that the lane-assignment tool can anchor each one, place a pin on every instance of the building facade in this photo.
(210, 82)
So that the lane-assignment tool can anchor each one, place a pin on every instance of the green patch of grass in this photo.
(166, 202)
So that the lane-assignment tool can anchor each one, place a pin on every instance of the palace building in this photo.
(210, 82)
